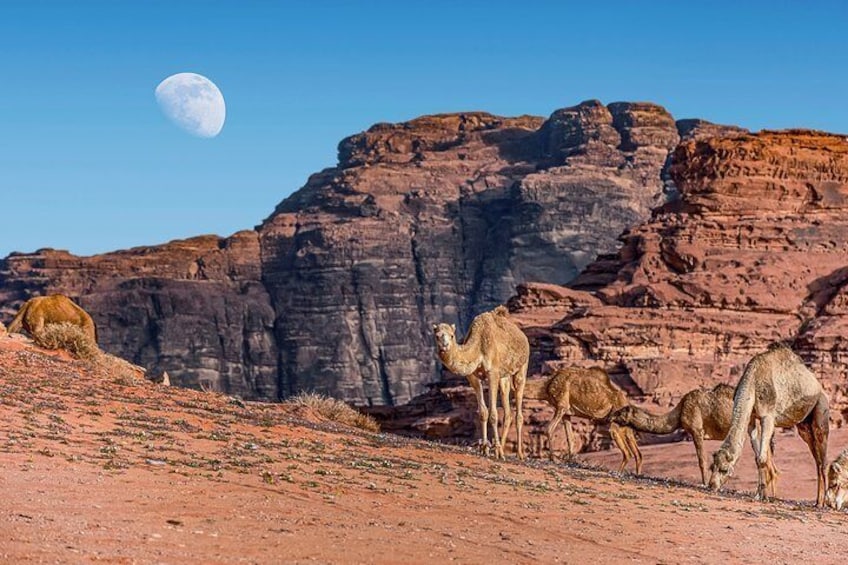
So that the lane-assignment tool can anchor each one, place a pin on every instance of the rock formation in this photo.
(753, 251)
(436, 219)
(196, 308)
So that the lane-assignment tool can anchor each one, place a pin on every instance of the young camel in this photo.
(703, 414)
(588, 393)
(837, 481)
(776, 389)
(496, 350)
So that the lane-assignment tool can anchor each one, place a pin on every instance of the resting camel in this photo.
(776, 389)
(54, 309)
(587, 393)
(496, 350)
(837, 481)
(703, 414)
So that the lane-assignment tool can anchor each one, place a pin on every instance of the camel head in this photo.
(624, 416)
(837, 484)
(445, 335)
(721, 469)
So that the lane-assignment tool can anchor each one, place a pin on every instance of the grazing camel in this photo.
(776, 389)
(837, 481)
(703, 414)
(496, 350)
(587, 393)
(53, 309)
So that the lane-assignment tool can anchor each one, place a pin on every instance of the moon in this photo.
(193, 103)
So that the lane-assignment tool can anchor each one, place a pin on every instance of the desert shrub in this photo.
(335, 410)
(69, 337)
(119, 370)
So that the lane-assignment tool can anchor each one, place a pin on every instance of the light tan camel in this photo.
(837, 481)
(776, 389)
(587, 393)
(496, 350)
(54, 309)
(703, 414)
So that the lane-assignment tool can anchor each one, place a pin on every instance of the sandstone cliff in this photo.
(429, 220)
(754, 251)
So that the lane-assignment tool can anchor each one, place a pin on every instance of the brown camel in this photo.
(776, 389)
(496, 350)
(703, 414)
(837, 481)
(54, 309)
(587, 393)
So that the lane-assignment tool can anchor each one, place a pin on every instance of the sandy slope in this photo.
(99, 469)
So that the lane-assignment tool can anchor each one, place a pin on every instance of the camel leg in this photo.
(552, 426)
(814, 431)
(505, 386)
(569, 437)
(765, 486)
(617, 434)
(520, 380)
(630, 436)
(698, 440)
(482, 413)
(493, 416)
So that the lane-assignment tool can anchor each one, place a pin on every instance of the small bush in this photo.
(119, 370)
(69, 337)
(335, 410)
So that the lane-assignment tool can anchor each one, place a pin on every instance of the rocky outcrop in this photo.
(754, 251)
(436, 219)
(196, 308)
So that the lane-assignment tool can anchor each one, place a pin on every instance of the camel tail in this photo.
(17, 322)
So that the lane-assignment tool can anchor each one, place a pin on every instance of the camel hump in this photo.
(501, 311)
(778, 345)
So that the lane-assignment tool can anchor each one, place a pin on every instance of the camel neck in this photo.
(462, 359)
(666, 423)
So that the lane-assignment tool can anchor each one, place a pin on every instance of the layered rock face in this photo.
(196, 308)
(436, 219)
(754, 251)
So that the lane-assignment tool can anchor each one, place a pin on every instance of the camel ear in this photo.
(453, 328)
(435, 327)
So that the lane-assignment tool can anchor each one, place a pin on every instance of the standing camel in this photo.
(703, 414)
(776, 389)
(496, 350)
(587, 393)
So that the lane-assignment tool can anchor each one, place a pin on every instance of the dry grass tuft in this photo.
(335, 410)
(119, 370)
(69, 337)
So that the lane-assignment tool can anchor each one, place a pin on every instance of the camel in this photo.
(837, 481)
(495, 349)
(53, 309)
(776, 389)
(587, 393)
(703, 414)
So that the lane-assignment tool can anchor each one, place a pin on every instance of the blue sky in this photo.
(88, 163)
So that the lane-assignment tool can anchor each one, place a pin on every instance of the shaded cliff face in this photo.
(196, 308)
(754, 251)
(436, 219)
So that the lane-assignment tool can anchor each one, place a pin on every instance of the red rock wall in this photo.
(754, 251)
